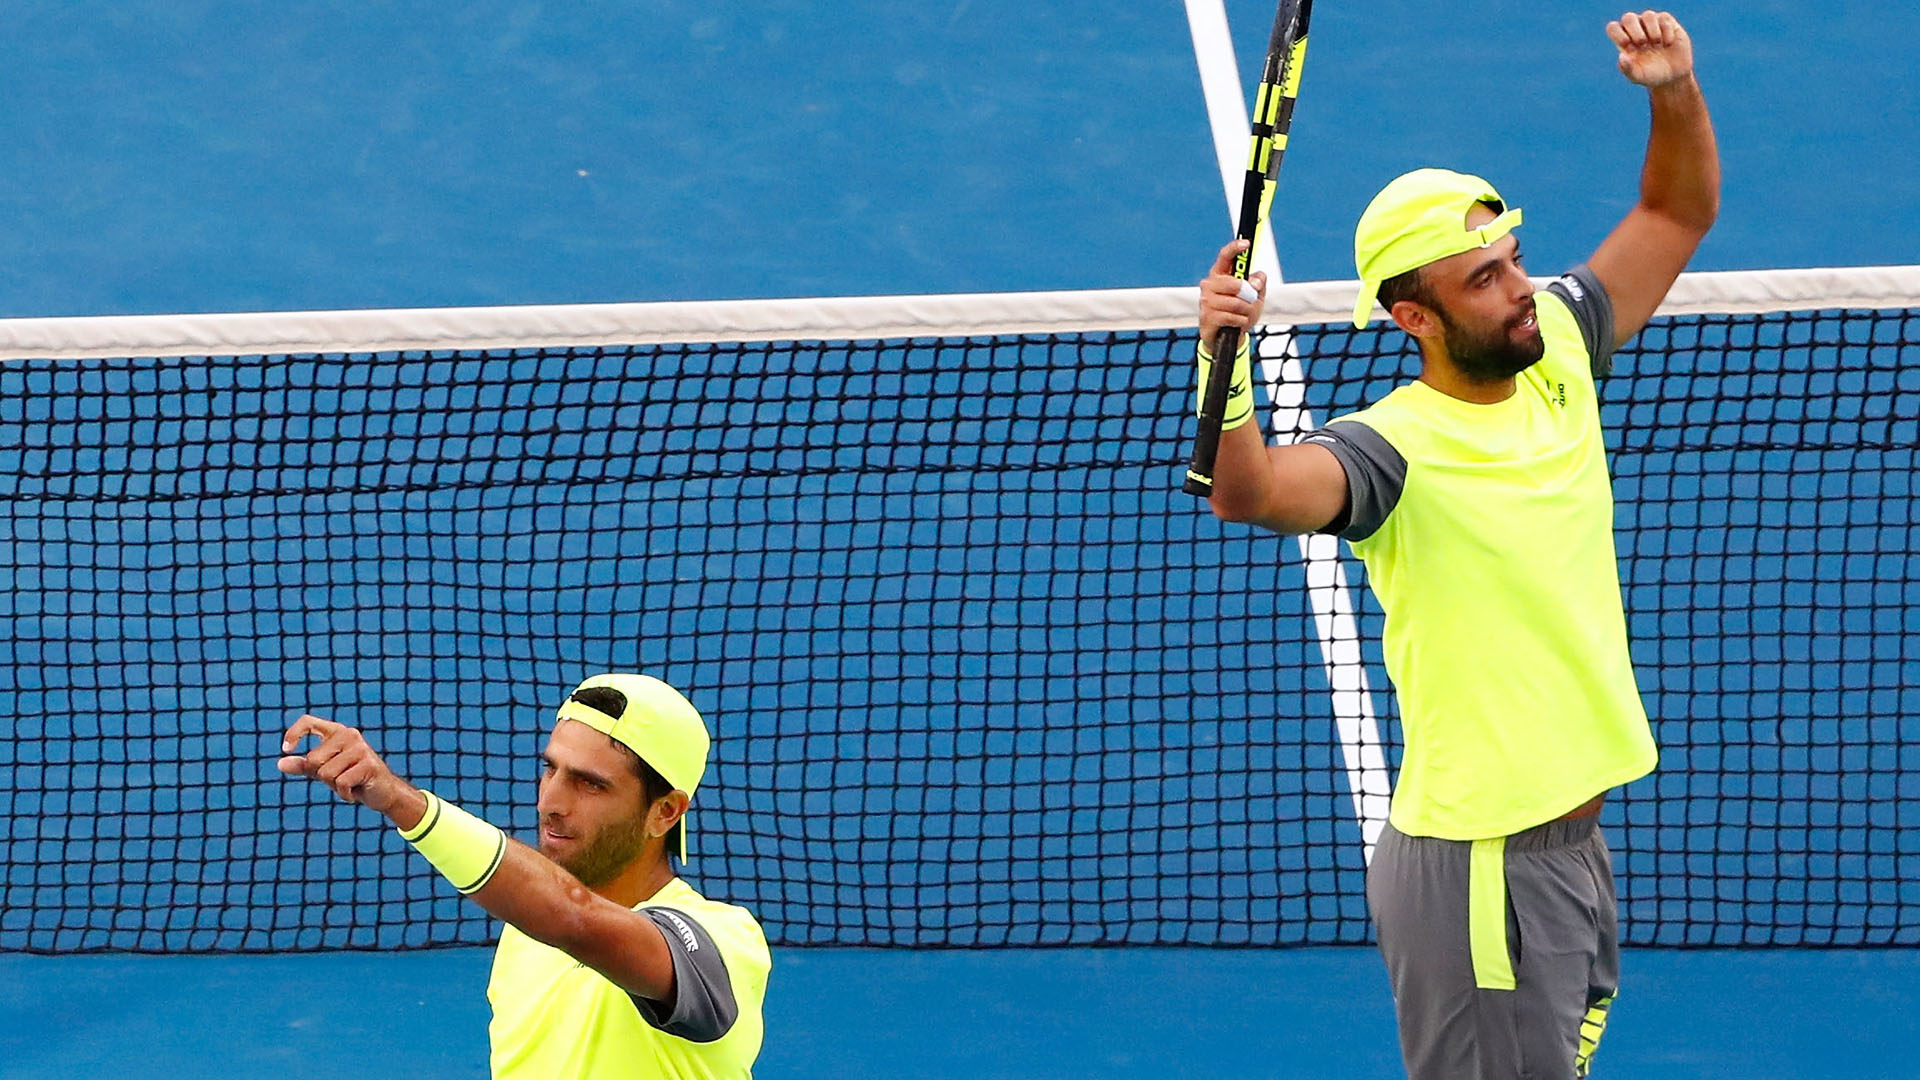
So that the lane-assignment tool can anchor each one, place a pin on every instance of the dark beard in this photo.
(611, 850)
(1489, 359)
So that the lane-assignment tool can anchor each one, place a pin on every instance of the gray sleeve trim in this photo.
(703, 1008)
(1376, 475)
(1593, 309)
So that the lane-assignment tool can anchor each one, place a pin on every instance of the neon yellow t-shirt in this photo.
(1505, 633)
(554, 1018)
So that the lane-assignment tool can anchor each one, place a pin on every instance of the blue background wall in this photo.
(192, 155)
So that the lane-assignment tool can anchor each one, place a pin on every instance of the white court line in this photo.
(1327, 591)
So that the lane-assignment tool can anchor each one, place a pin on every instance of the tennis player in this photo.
(1479, 499)
(611, 965)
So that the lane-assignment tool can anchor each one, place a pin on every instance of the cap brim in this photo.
(1363, 307)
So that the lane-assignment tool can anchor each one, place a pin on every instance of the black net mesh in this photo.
(976, 674)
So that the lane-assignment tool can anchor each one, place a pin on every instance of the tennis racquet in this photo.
(1272, 116)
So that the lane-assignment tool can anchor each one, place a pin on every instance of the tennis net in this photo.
(979, 675)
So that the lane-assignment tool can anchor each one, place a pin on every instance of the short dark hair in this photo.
(653, 786)
(1411, 285)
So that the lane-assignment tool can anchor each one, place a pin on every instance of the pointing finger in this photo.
(307, 725)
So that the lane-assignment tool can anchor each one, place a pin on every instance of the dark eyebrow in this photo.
(603, 781)
(584, 774)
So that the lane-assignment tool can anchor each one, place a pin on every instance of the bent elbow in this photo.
(1286, 520)
(1694, 219)
(567, 923)
(1229, 509)
(1712, 213)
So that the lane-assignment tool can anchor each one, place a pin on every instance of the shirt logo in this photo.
(1560, 394)
(681, 928)
(1573, 286)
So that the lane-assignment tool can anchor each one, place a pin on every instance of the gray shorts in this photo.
(1504, 954)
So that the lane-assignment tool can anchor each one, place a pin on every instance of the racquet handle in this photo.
(1213, 406)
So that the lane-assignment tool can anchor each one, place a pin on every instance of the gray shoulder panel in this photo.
(1376, 474)
(1593, 309)
(703, 1008)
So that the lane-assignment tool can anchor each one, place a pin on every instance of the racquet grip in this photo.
(1213, 406)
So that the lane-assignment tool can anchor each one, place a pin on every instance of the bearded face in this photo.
(1490, 353)
(596, 855)
(593, 804)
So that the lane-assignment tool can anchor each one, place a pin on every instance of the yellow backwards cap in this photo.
(658, 724)
(1420, 218)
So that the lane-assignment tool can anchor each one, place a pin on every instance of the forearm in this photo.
(551, 906)
(541, 900)
(1681, 178)
(1294, 489)
(519, 886)
(1243, 481)
(510, 880)
(1289, 489)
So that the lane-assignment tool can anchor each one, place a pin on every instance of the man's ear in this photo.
(665, 812)
(1416, 319)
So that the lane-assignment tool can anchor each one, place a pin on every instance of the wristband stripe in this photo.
(427, 820)
(499, 856)
(466, 850)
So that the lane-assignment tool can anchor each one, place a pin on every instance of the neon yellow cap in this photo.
(1421, 218)
(658, 724)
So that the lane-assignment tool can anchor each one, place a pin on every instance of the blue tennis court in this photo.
(1819, 1015)
(212, 157)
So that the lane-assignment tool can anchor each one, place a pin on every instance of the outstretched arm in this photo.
(527, 889)
(1680, 183)
(1290, 489)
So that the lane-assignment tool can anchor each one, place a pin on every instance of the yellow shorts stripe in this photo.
(1487, 915)
(1592, 1026)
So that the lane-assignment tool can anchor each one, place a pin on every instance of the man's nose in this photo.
(1519, 285)
(552, 800)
